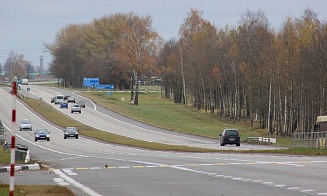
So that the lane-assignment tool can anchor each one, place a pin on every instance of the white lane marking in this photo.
(95, 167)
(305, 191)
(69, 172)
(60, 181)
(85, 189)
(293, 188)
(124, 167)
(268, 183)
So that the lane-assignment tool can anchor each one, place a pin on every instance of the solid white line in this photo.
(86, 189)
(307, 191)
(293, 188)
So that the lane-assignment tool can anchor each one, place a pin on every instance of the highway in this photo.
(90, 167)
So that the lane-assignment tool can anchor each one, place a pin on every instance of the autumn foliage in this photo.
(249, 71)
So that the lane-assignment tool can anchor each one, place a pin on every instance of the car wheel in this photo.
(71, 111)
(65, 137)
(80, 111)
(48, 139)
(222, 144)
(35, 139)
(20, 129)
(238, 144)
(76, 137)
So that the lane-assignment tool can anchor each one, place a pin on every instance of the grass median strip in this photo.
(56, 117)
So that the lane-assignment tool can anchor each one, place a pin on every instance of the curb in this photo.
(21, 167)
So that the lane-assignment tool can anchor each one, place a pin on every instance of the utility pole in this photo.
(41, 65)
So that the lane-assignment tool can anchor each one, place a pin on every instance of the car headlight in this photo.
(37, 135)
(48, 135)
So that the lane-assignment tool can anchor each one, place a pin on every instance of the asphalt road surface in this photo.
(90, 167)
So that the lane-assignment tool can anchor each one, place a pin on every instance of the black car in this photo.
(230, 136)
(81, 103)
(66, 97)
(71, 132)
(42, 134)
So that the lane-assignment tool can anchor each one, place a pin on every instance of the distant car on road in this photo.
(66, 96)
(25, 124)
(76, 108)
(230, 136)
(64, 105)
(71, 132)
(52, 99)
(81, 103)
(71, 99)
(42, 134)
(24, 81)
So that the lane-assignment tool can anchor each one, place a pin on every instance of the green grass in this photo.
(36, 190)
(4, 157)
(164, 113)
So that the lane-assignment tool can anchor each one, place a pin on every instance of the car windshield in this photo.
(41, 131)
(232, 133)
(25, 121)
(71, 130)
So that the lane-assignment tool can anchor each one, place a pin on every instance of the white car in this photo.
(76, 108)
(59, 99)
(25, 124)
(71, 99)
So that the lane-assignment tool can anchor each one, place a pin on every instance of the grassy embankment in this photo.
(36, 190)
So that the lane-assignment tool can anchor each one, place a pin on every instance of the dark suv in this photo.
(230, 136)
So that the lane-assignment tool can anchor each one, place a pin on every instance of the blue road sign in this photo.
(105, 86)
(90, 82)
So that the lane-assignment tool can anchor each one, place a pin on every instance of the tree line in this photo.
(249, 71)
(16, 65)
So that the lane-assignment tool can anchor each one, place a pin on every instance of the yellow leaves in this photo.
(216, 73)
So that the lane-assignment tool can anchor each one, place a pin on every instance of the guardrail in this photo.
(310, 139)
(2, 134)
(261, 139)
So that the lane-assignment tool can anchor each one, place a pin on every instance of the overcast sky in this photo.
(25, 25)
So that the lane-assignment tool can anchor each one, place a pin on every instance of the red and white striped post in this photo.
(13, 139)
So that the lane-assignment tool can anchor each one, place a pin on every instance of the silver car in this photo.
(76, 108)
(71, 99)
(25, 124)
